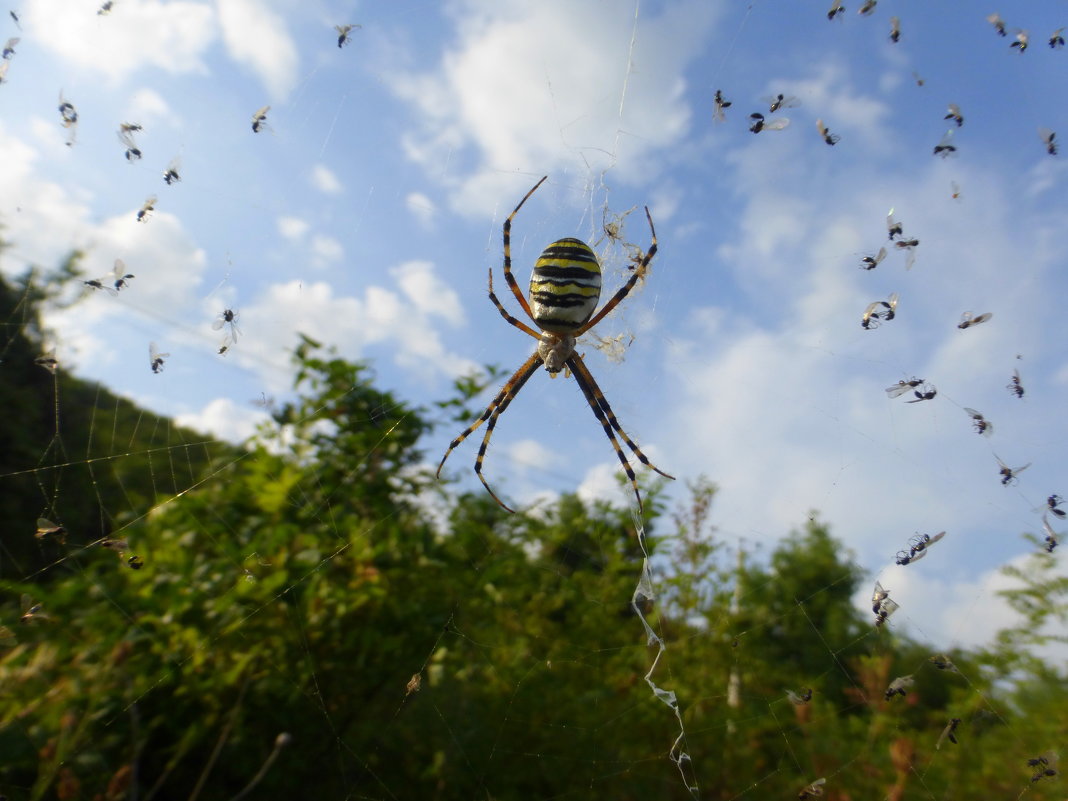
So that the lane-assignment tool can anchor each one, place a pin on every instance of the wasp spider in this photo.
(564, 289)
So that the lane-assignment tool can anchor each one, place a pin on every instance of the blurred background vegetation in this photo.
(318, 616)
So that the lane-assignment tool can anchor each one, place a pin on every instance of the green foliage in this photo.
(71, 448)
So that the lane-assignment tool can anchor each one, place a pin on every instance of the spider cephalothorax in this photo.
(564, 289)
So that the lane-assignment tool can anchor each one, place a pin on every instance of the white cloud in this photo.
(354, 323)
(325, 181)
(257, 37)
(955, 609)
(172, 36)
(422, 207)
(521, 92)
(326, 250)
(601, 483)
(431, 295)
(292, 228)
(224, 419)
(146, 106)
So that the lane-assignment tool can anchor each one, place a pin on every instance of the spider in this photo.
(564, 289)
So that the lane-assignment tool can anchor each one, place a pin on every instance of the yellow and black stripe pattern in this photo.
(565, 286)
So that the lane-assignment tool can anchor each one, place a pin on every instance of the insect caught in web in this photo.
(564, 289)
(227, 317)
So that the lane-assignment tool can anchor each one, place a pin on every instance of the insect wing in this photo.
(1047, 136)
(869, 319)
(777, 124)
(899, 685)
(119, 274)
(127, 138)
(1052, 538)
(258, 118)
(900, 388)
(46, 527)
(814, 790)
(104, 283)
(947, 733)
(893, 227)
(220, 321)
(878, 595)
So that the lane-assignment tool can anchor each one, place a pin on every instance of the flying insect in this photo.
(720, 103)
(1014, 386)
(967, 320)
(1009, 474)
(946, 148)
(155, 358)
(146, 207)
(759, 124)
(871, 262)
(343, 34)
(893, 227)
(980, 423)
(927, 391)
(170, 175)
(780, 101)
(1047, 136)
(259, 119)
(828, 137)
(948, 733)
(899, 686)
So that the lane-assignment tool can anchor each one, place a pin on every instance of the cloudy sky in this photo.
(368, 210)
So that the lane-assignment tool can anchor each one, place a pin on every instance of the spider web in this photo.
(699, 731)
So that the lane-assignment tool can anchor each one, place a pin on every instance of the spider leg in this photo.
(510, 390)
(584, 371)
(637, 275)
(493, 410)
(512, 283)
(603, 412)
(504, 313)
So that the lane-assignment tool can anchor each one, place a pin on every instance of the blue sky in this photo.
(368, 212)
